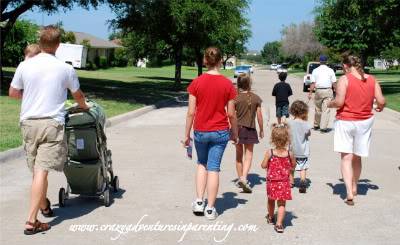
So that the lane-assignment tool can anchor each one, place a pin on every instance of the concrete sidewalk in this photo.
(157, 185)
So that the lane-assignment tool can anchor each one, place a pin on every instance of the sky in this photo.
(267, 18)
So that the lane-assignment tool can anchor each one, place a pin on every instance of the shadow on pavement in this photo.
(362, 188)
(288, 218)
(228, 201)
(78, 206)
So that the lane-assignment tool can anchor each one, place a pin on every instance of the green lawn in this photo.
(117, 90)
(389, 80)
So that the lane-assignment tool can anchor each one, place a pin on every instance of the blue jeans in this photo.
(210, 147)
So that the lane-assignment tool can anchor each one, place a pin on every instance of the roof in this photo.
(95, 42)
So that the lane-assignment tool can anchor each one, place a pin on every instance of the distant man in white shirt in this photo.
(42, 83)
(322, 80)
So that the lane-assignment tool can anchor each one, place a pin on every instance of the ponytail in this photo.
(354, 61)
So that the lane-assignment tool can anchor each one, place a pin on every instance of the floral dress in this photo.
(278, 183)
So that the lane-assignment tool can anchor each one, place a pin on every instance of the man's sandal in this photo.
(270, 220)
(36, 227)
(47, 212)
(279, 228)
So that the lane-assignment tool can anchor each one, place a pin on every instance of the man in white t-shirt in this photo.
(323, 79)
(42, 82)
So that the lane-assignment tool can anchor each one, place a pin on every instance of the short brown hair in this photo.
(299, 109)
(212, 56)
(50, 37)
(244, 82)
(32, 50)
(280, 137)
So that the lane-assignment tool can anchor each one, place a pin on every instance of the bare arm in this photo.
(260, 122)
(15, 93)
(292, 159)
(312, 87)
(380, 100)
(189, 119)
(233, 120)
(79, 97)
(341, 89)
(264, 163)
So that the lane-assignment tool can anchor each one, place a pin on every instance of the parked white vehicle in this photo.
(73, 54)
(273, 66)
(282, 68)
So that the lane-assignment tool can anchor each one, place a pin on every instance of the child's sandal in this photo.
(270, 220)
(36, 227)
(279, 228)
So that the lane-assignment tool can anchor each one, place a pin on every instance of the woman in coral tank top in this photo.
(355, 95)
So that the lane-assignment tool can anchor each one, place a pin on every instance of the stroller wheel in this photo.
(107, 199)
(115, 184)
(61, 197)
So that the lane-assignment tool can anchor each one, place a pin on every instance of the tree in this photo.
(12, 9)
(366, 27)
(391, 54)
(22, 34)
(66, 36)
(176, 24)
(300, 41)
(272, 52)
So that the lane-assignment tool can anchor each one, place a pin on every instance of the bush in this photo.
(90, 66)
(120, 58)
(103, 62)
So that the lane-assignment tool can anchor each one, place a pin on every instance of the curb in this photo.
(19, 151)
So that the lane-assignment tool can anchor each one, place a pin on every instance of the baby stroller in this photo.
(88, 168)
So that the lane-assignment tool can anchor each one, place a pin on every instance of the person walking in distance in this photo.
(282, 91)
(211, 112)
(322, 80)
(355, 95)
(44, 81)
(248, 107)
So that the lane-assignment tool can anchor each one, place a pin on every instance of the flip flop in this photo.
(349, 202)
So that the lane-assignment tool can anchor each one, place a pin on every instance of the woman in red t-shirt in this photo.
(212, 113)
(355, 95)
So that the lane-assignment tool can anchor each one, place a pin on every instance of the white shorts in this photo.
(353, 136)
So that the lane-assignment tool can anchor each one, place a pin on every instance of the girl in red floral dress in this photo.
(279, 163)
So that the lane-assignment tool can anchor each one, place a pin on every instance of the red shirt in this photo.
(212, 94)
(359, 99)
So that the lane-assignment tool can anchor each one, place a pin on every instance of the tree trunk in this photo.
(178, 67)
(199, 62)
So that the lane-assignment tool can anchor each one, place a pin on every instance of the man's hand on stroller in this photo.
(79, 97)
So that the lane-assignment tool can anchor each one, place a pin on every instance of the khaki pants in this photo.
(322, 112)
(44, 143)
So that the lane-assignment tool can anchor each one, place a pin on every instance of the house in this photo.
(382, 64)
(97, 47)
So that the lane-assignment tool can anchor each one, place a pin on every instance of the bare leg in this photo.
(38, 193)
(347, 173)
(212, 187)
(271, 207)
(356, 163)
(303, 175)
(239, 160)
(201, 180)
(279, 120)
(281, 212)
(248, 157)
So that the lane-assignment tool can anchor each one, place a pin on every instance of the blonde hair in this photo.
(299, 109)
(280, 137)
(212, 56)
(50, 37)
(32, 50)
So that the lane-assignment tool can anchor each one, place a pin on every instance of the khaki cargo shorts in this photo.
(44, 143)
